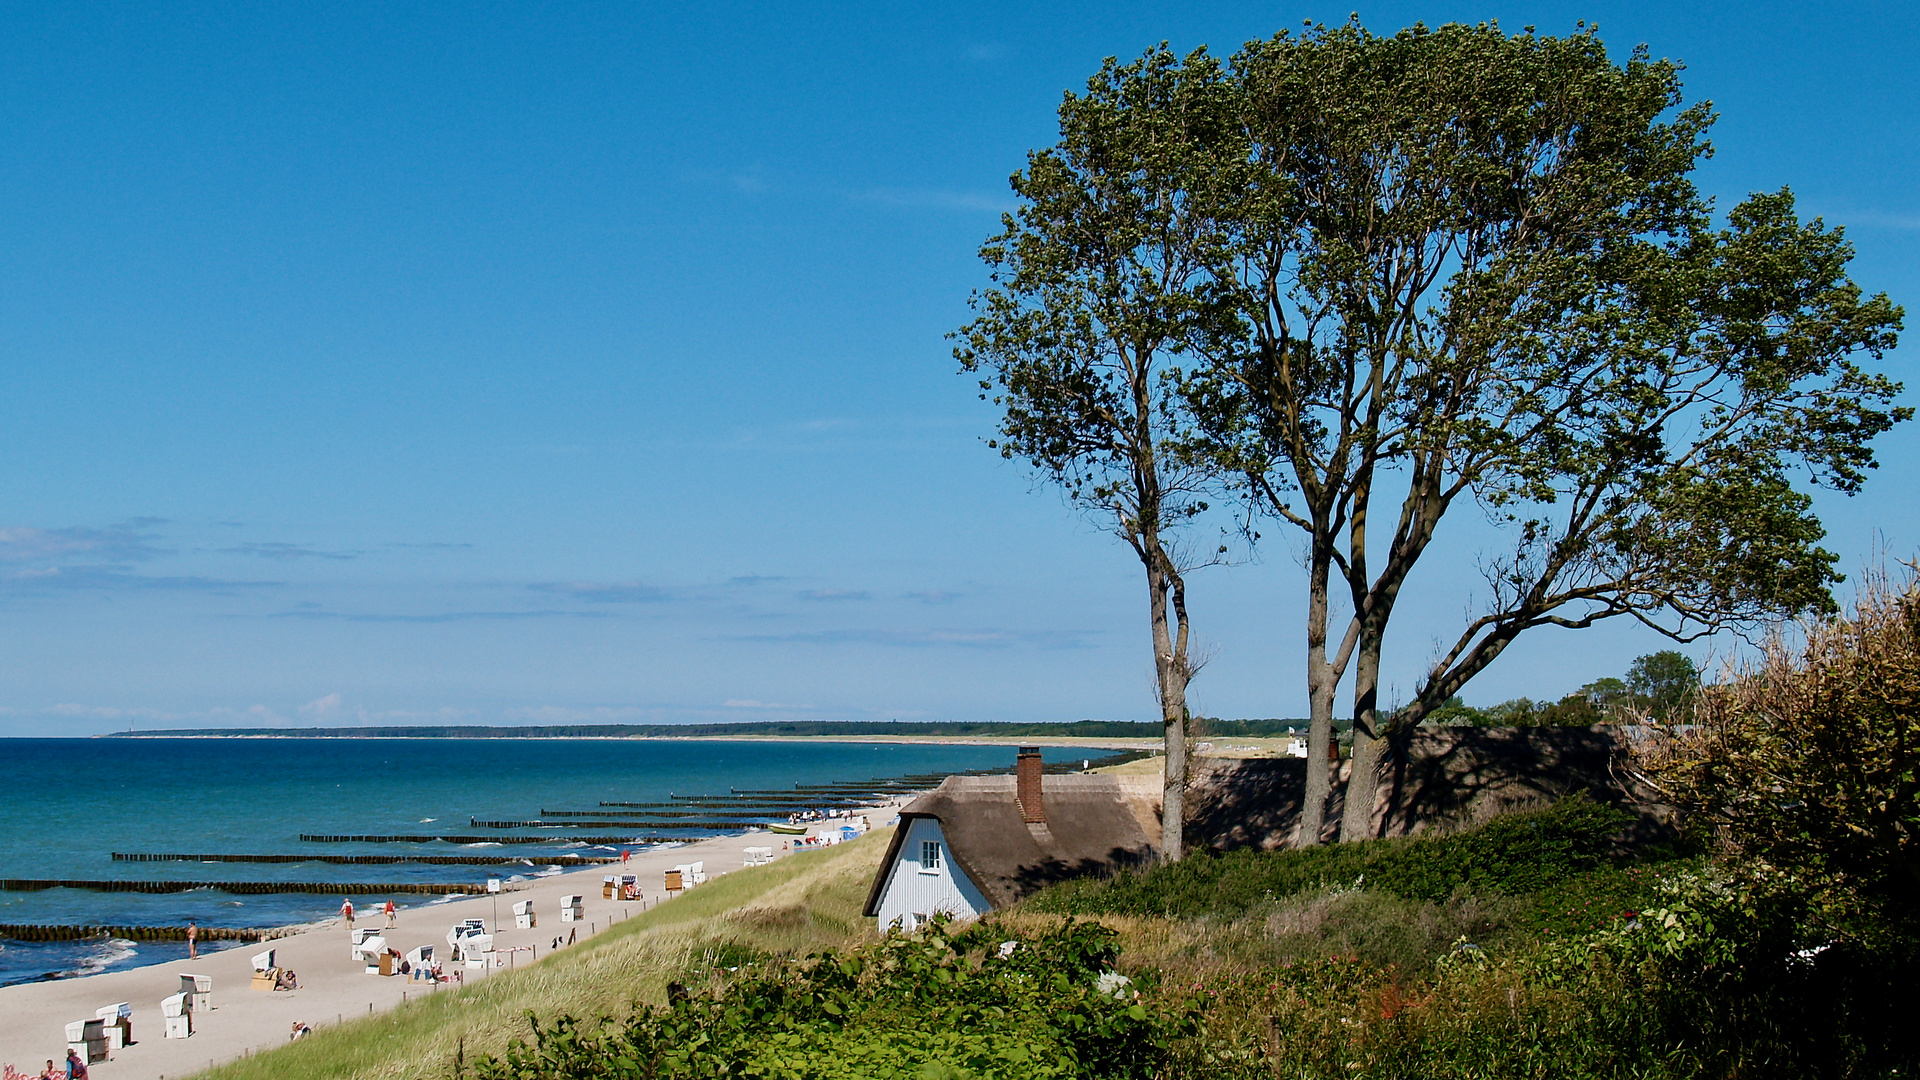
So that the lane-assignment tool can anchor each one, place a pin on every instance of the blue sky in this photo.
(562, 363)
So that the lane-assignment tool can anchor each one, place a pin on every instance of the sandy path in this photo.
(333, 985)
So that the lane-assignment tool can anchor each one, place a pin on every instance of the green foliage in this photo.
(1663, 683)
(1807, 766)
(924, 1007)
(1515, 854)
(1658, 684)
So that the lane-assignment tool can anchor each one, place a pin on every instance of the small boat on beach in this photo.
(788, 830)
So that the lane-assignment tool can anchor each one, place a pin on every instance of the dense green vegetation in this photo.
(1658, 686)
(1518, 854)
(1531, 946)
(971, 1004)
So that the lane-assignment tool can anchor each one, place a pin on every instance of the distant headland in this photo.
(823, 729)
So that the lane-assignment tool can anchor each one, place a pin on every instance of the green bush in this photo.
(1519, 853)
(1712, 980)
(926, 1007)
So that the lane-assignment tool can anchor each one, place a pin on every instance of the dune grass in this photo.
(794, 906)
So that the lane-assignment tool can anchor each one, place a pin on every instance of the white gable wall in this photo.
(912, 893)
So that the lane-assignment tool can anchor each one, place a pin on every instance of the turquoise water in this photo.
(73, 802)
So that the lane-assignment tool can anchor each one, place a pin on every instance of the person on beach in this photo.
(346, 912)
(390, 914)
(193, 940)
(76, 1069)
(49, 1073)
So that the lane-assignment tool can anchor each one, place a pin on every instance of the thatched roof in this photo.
(1095, 824)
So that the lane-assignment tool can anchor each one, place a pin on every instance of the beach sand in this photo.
(333, 985)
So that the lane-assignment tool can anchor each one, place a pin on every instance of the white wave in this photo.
(428, 820)
(101, 956)
(447, 899)
(484, 843)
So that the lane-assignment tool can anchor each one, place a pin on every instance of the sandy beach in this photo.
(333, 985)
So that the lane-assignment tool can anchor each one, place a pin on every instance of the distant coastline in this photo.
(1079, 732)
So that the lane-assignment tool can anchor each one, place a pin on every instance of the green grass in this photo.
(794, 906)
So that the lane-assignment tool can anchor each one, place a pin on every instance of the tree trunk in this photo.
(1173, 795)
(1171, 672)
(1356, 822)
(1322, 683)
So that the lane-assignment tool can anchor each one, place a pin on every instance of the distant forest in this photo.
(1082, 729)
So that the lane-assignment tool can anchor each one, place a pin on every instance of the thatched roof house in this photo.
(976, 843)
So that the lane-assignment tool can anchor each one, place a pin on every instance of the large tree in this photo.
(1093, 298)
(1472, 267)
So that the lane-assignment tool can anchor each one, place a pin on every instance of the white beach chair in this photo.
(371, 950)
(118, 1018)
(177, 1011)
(523, 917)
(573, 908)
(201, 987)
(88, 1038)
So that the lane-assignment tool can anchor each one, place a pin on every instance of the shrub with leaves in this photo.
(1515, 854)
(981, 1004)
(1807, 765)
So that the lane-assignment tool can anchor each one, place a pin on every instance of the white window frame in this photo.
(929, 856)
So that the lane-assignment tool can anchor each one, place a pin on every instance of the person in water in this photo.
(193, 940)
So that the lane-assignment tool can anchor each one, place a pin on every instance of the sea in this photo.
(72, 803)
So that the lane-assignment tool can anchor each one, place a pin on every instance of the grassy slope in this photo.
(796, 905)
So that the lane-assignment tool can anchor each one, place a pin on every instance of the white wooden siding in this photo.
(911, 893)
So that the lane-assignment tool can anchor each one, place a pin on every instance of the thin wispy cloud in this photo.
(605, 592)
(51, 579)
(835, 594)
(128, 542)
(934, 597)
(925, 638)
(284, 552)
(314, 615)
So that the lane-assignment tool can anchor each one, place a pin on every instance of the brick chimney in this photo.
(1026, 786)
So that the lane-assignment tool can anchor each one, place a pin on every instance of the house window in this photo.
(929, 856)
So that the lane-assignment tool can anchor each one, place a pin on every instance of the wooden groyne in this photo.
(671, 814)
(728, 802)
(609, 841)
(721, 826)
(379, 860)
(41, 932)
(240, 888)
